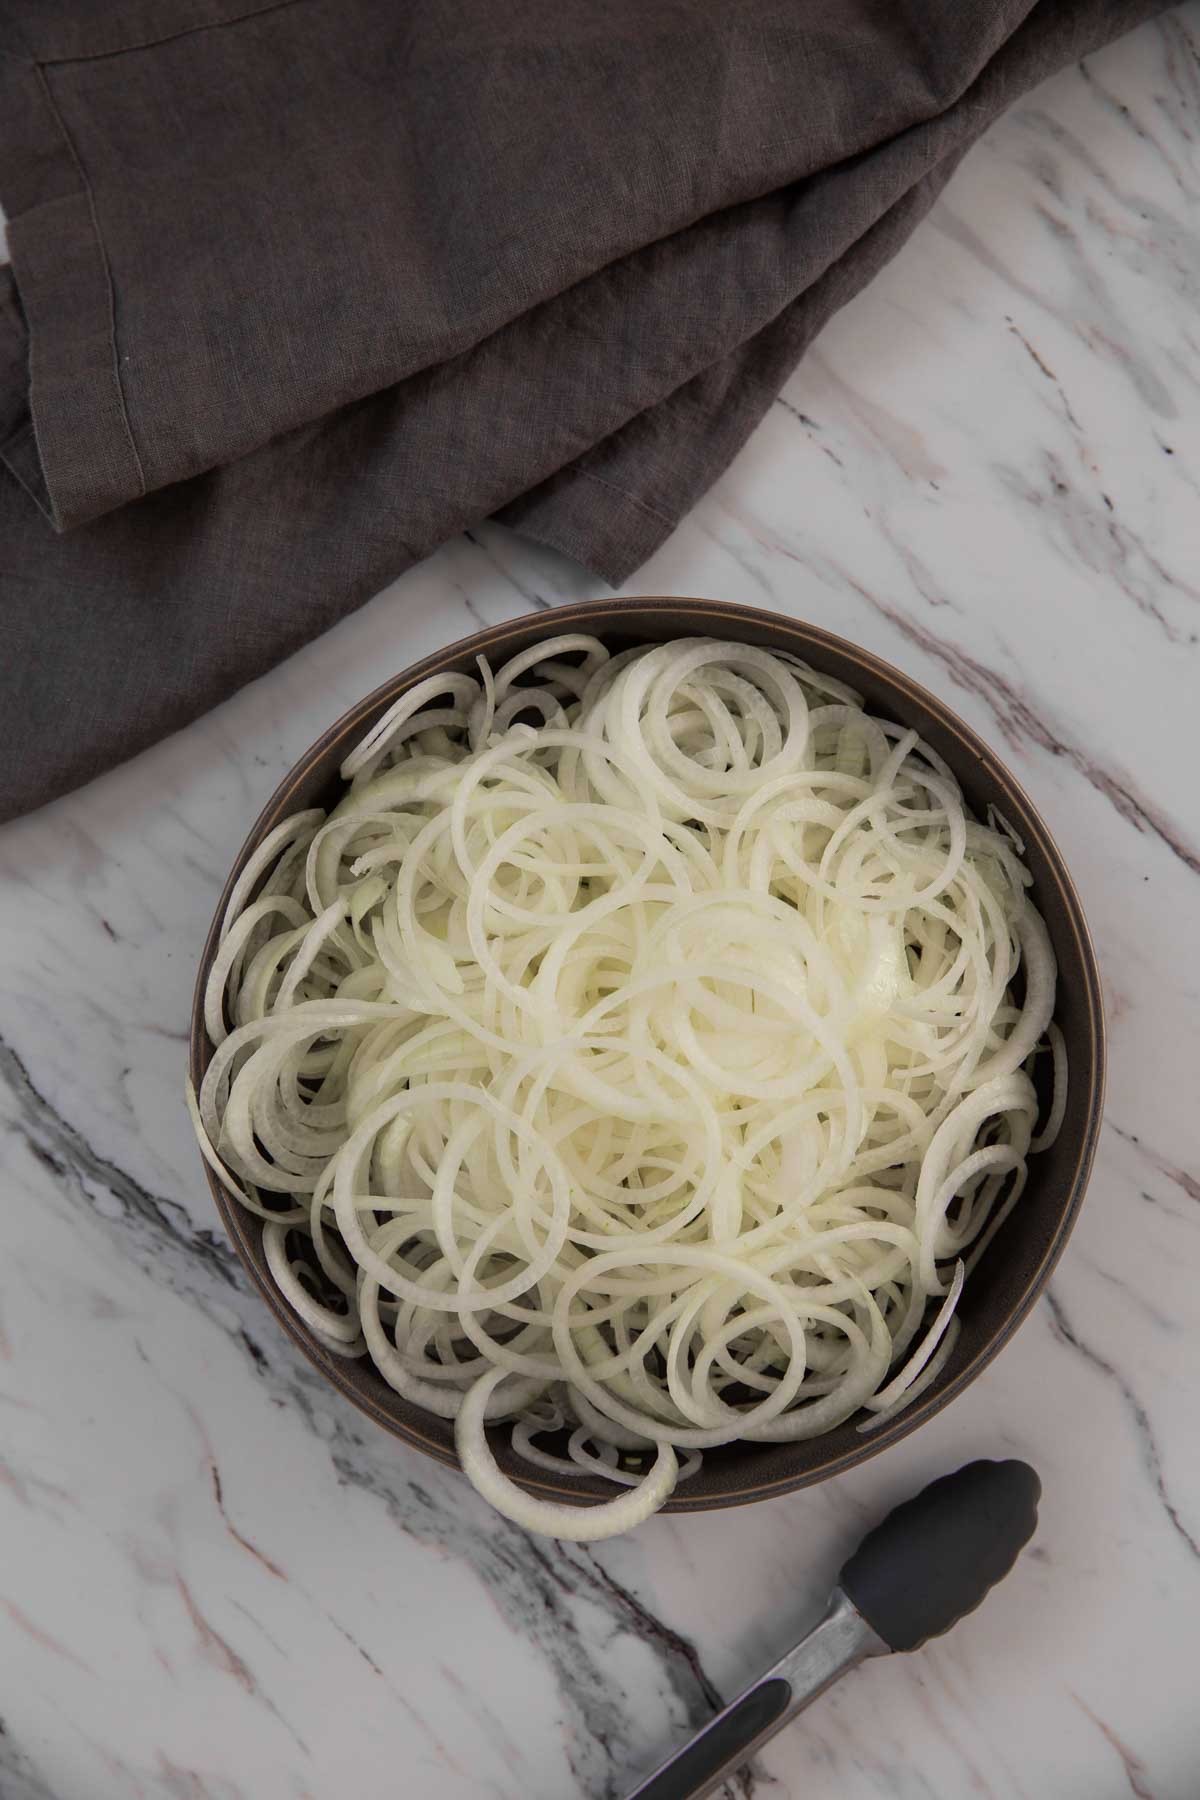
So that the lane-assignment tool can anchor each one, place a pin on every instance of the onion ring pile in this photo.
(634, 1055)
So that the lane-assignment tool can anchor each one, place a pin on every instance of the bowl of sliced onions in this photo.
(649, 1054)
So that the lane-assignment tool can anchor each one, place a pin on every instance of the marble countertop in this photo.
(217, 1581)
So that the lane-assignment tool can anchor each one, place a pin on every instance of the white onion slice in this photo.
(578, 1524)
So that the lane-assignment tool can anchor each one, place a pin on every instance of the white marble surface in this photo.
(218, 1582)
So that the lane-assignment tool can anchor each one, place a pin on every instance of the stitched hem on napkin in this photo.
(70, 444)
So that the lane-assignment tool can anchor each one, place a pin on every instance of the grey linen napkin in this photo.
(299, 290)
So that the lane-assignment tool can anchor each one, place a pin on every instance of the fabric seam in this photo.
(170, 37)
(651, 511)
(107, 267)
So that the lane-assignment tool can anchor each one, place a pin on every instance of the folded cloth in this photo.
(301, 289)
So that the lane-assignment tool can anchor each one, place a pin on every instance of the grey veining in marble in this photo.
(217, 1582)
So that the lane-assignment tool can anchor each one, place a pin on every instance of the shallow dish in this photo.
(1019, 1260)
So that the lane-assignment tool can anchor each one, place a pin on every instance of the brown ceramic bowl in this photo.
(1019, 1260)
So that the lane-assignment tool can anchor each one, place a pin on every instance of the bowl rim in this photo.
(596, 616)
